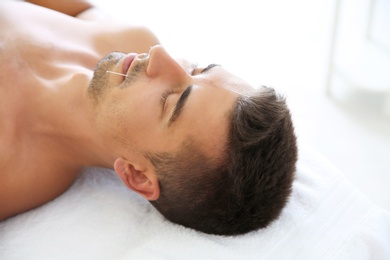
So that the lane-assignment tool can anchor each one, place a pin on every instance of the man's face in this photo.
(162, 101)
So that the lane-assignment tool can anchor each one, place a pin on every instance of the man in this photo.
(208, 150)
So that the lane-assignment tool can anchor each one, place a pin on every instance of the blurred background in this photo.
(331, 58)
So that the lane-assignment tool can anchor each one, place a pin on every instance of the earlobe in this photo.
(142, 180)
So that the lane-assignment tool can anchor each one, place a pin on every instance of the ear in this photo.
(139, 178)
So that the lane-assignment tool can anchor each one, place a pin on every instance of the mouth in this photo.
(127, 61)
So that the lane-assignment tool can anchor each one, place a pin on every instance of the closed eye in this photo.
(184, 97)
(164, 97)
(193, 72)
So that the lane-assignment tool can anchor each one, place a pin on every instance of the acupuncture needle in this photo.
(121, 74)
(116, 73)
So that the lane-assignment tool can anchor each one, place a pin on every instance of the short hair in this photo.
(248, 186)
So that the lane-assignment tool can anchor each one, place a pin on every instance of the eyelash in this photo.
(165, 95)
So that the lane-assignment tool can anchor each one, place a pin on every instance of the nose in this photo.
(162, 65)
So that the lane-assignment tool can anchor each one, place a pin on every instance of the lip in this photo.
(127, 61)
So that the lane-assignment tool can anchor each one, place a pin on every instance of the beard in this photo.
(100, 81)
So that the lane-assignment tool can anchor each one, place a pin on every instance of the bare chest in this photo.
(37, 58)
(35, 63)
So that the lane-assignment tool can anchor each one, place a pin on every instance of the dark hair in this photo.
(244, 190)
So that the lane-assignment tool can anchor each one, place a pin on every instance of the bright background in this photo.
(287, 44)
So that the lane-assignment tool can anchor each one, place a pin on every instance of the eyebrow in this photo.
(179, 105)
(209, 67)
(184, 97)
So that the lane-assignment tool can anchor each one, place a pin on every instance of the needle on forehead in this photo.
(117, 73)
(238, 93)
(229, 89)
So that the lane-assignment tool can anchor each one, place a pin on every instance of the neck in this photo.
(66, 122)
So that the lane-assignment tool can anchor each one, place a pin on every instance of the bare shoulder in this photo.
(112, 35)
(30, 175)
(25, 190)
(106, 33)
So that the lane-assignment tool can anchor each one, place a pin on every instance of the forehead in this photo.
(219, 77)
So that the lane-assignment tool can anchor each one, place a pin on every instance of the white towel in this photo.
(98, 218)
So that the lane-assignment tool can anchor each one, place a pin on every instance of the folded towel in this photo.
(99, 218)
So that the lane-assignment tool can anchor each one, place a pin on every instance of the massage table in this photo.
(99, 218)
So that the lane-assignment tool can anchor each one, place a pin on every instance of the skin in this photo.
(58, 116)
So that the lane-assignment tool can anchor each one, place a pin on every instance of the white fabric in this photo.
(98, 218)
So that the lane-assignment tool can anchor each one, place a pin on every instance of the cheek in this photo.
(136, 117)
